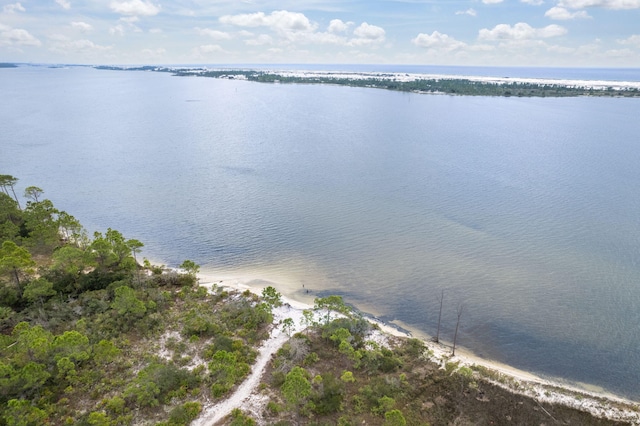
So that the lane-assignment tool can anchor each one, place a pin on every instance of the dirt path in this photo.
(214, 413)
(248, 399)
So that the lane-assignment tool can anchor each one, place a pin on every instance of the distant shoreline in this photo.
(414, 83)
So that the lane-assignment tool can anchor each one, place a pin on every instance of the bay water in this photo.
(523, 211)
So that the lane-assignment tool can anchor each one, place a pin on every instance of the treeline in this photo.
(447, 86)
(452, 86)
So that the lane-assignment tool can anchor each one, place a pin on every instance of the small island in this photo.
(416, 83)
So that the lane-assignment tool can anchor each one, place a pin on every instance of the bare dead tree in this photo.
(8, 181)
(437, 339)
(455, 335)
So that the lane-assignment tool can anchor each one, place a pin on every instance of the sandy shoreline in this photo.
(409, 77)
(598, 403)
(399, 76)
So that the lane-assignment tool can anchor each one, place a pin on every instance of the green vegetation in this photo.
(91, 337)
(448, 86)
(336, 376)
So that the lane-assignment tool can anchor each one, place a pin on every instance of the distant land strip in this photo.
(417, 83)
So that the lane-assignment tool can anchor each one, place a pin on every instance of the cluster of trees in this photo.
(458, 86)
(81, 318)
(333, 373)
(450, 86)
(336, 335)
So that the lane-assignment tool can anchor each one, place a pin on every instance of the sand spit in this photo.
(406, 77)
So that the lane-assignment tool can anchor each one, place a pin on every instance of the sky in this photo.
(545, 33)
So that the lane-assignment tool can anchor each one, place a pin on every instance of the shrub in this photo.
(296, 387)
(385, 404)
(98, 418)
(347, 377)
(225, 370)
(329, 399)
(115, 405)
(274, 407)
(241, 419)
(414, 348)
(185, 413)
(394, 418)
(310, 359)
(160, 382)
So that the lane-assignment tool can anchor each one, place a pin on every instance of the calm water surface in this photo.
(523, 210)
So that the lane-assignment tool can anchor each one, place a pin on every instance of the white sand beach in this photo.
(407, 77)
(246, 397)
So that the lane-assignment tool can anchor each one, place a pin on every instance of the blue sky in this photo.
(574, 33)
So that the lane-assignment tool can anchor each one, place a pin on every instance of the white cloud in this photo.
(633, 40)
(82, 26)
(245, 20)
(470, 12)
(261, 40)
(118, 30)
(561, 14)
(329, 38)
(155, 31)
(129, 19)
(280, 20)
(214, 34)
(438, 40)
(590, 49)
(520, 31)
(619, 53)
(66, 46)
(295, 28)
(153, 53)
(367, 34)
(209, 48)
(560, 49)
(607, 4)
(492, 1)
(13, 8)
(480, 47)
(17, 37)
(64, 4)
(291, 21)
(370, 32)
(533, 2)
(338, 26)
(135, 8)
